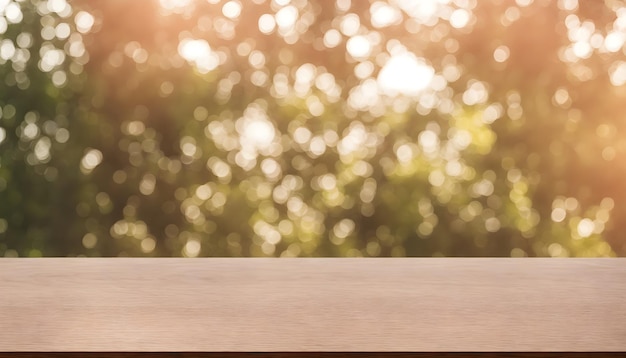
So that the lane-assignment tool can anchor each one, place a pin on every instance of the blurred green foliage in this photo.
(312, 128)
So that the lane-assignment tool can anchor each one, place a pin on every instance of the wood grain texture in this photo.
(226, 304)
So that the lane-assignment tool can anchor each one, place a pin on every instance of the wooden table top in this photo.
(330, 304)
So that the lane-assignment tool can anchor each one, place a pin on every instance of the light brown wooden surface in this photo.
(453, 304)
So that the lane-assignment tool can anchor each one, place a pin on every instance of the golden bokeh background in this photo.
(312, 128)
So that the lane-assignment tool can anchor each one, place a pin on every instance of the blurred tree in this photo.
(312, 128)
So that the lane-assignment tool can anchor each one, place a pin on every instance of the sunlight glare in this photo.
(192, 248)
(424, 11)
(259, 133)
(231, 9)
(92, 159)
(350, 24)
(199, 53)
(384, 15)
(459, 18)
(256, 130)
(267, 23)
(405, 74)
(286, 17)
(359, 47)
(585, 228)
(332, 38)
(614, 41)
(618, 73)
(13, 13)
